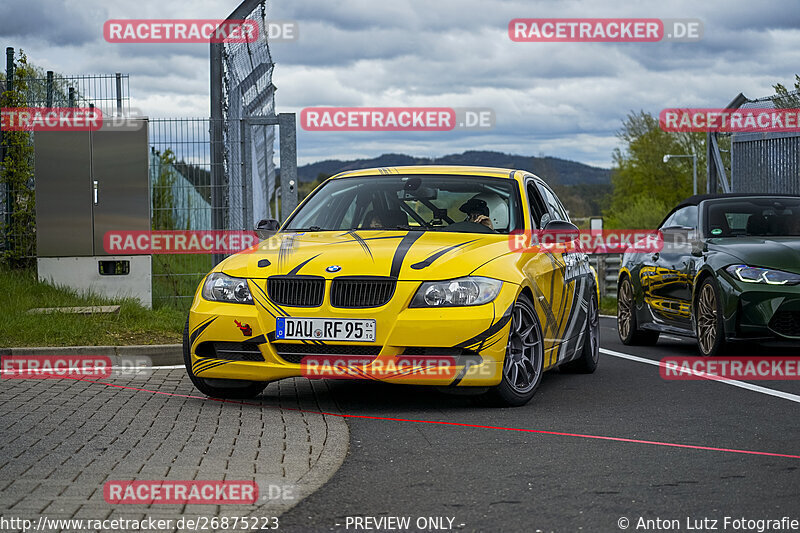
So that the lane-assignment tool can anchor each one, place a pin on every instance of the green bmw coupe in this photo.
(729, 270)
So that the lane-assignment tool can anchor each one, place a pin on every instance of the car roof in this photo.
(698, 198)
(460, 170)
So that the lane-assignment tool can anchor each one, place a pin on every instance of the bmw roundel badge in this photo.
(333, 268)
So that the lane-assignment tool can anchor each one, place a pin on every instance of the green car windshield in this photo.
(468, 204)
(754, 217)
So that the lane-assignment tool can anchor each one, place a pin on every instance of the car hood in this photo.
(781, 253)
(408, 255)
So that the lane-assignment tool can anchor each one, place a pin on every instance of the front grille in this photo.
(786, 323)
(231, 351)
(360, 292)
(294, 353)
(296, 291)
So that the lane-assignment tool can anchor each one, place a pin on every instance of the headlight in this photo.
(221, 288)
(457, 292)
(750, 274)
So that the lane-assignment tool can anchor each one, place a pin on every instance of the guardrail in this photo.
(607, 266)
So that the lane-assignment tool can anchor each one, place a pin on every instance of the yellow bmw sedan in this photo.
(404, 275)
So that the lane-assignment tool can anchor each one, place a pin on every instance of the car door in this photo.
(667, 279)
(546, 274)
(569, 285)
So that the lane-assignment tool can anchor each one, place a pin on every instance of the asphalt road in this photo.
(497, 479)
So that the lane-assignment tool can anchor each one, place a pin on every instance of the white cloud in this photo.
(565, 100)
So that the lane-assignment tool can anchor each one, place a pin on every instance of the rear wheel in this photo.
(233, 389)
(627, 327)
(708, 319)
(524, 360)
(586, 363)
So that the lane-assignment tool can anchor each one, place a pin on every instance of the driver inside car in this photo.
(477, 211)
(391, 219)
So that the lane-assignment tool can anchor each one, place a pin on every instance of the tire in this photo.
(236, 389)
(627, 326)
(586, 363)
(708, 319)
(524, 360)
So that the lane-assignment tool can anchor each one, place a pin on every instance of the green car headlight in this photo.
(219, 287)
(751, 274)
(472, 290)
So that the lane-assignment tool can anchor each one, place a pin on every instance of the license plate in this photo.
(325, 329)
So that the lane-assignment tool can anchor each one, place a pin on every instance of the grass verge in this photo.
(608, 306)
(133, 325)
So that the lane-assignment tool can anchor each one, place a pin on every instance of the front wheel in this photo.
(230, 389)
(708, 319)
(524, 360)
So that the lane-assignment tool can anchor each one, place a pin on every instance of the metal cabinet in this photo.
(87, 184)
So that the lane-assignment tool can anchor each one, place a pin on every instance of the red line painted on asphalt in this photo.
(457, 424)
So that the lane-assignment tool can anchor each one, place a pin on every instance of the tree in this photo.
(641, 179)
(16, 175)
(164, 192)
(787, 99)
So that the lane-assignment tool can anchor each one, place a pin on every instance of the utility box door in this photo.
(119, 168)
(63, 192)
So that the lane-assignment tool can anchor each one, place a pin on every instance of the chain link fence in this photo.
(767, 162)
(248, 91)
(109, 93)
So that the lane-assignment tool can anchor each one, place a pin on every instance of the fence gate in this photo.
(765, 162)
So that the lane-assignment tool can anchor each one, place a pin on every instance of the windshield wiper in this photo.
(406, 227)
(310, 228)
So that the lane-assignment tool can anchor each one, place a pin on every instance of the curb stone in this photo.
(159, 354)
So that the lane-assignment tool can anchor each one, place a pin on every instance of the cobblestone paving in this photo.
(62, 440)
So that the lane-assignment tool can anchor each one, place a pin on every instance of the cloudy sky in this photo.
(560, 99)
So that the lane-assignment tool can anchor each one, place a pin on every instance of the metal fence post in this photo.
(7, 192)
(72, 97)
(49, 88)
(119, 94)
(217, 146)
(247, 173)
(288, 147)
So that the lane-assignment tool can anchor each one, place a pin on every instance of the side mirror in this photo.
(266, 228)
(560, 235)
(563, 227)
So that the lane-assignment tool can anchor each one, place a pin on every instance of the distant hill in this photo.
(552, 169)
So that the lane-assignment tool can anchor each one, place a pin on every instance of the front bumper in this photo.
(755, 310)
(465, 346)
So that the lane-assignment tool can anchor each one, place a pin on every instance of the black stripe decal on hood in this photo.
(401, 251)
(360, 240)
(427, 262)
(296, 269)
(286, 248)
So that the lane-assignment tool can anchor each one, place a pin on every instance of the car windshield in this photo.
(758, 217)
(468, 204)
